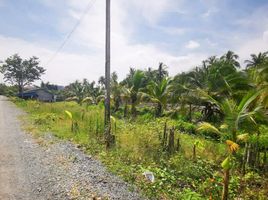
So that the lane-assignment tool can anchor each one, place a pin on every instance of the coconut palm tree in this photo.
(76, 91)
(115, 91)
(239, 118)
(134, 83)
(126, 98)
(257, 60)
(158, 92)
(257, 69)
(162, 72)
(231, 58)
(236, 114)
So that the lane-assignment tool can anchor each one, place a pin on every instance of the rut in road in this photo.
(47, 168)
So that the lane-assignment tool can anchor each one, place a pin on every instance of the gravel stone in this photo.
(50, 169)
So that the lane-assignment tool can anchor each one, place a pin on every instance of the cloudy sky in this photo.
(179, 33)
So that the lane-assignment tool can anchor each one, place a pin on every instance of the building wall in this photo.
(44, 96)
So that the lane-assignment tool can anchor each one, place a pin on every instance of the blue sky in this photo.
(179, 33)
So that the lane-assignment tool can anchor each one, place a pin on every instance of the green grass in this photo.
(138, 148)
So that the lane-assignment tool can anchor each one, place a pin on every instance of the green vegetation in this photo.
(21, 72)
(8, 90)
(203, 134)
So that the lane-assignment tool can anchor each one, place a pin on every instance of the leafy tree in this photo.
(21, 72)
(3, 89)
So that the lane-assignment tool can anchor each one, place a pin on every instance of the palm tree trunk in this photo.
(178, 145)
(171, 145)
(125, 110)
(190, 112)
(194, 152)
(20, 88)
(244, 159)
(159, 110)
(116, 104)
(257, 153)
(226, 184)
(265, 160)
(248, 153)
(164, 140)
(133, 109)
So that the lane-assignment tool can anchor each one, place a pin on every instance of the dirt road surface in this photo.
(47, 168)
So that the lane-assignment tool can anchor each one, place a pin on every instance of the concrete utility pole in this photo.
(107, 65)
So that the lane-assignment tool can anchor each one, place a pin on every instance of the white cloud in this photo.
(255, 41)
(67, 67)
(151, 10)
(210, 12)
(174, 30)
(253, 46)
(211, 43)
(265, 36)
(192, 44)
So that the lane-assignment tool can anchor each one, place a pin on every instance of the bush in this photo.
(188, 194)
(198, 170)
(186, 127)
(44, 119)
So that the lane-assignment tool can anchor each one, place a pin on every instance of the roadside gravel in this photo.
(47, 168)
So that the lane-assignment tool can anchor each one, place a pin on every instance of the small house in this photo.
(38, 94)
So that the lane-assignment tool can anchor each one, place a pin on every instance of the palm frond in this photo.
(232, 146)
(243, 137)
(204, 126)
(69, 114)
(87, 100)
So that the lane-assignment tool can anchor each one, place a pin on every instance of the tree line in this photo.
(232, 101)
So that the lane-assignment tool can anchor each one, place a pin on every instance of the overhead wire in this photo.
(68, 36)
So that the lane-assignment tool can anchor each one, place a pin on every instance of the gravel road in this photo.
(46, 168)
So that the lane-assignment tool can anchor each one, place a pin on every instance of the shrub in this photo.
(188, 194)
(44, 118)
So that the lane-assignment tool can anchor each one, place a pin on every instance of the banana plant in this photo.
(113, 120)
(197, 144)
(88, 101)
(237, 118)
(74, 124)
(227, 165)
(228, 161)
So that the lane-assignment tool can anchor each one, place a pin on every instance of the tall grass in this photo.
(138, 143)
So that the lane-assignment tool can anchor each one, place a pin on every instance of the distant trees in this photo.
(21, 72)
(227, 103)
(257, 60)
(219, 77)
(7, 90)
(83, 92)
(49, 86)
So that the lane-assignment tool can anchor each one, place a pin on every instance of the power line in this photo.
(89, 6)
